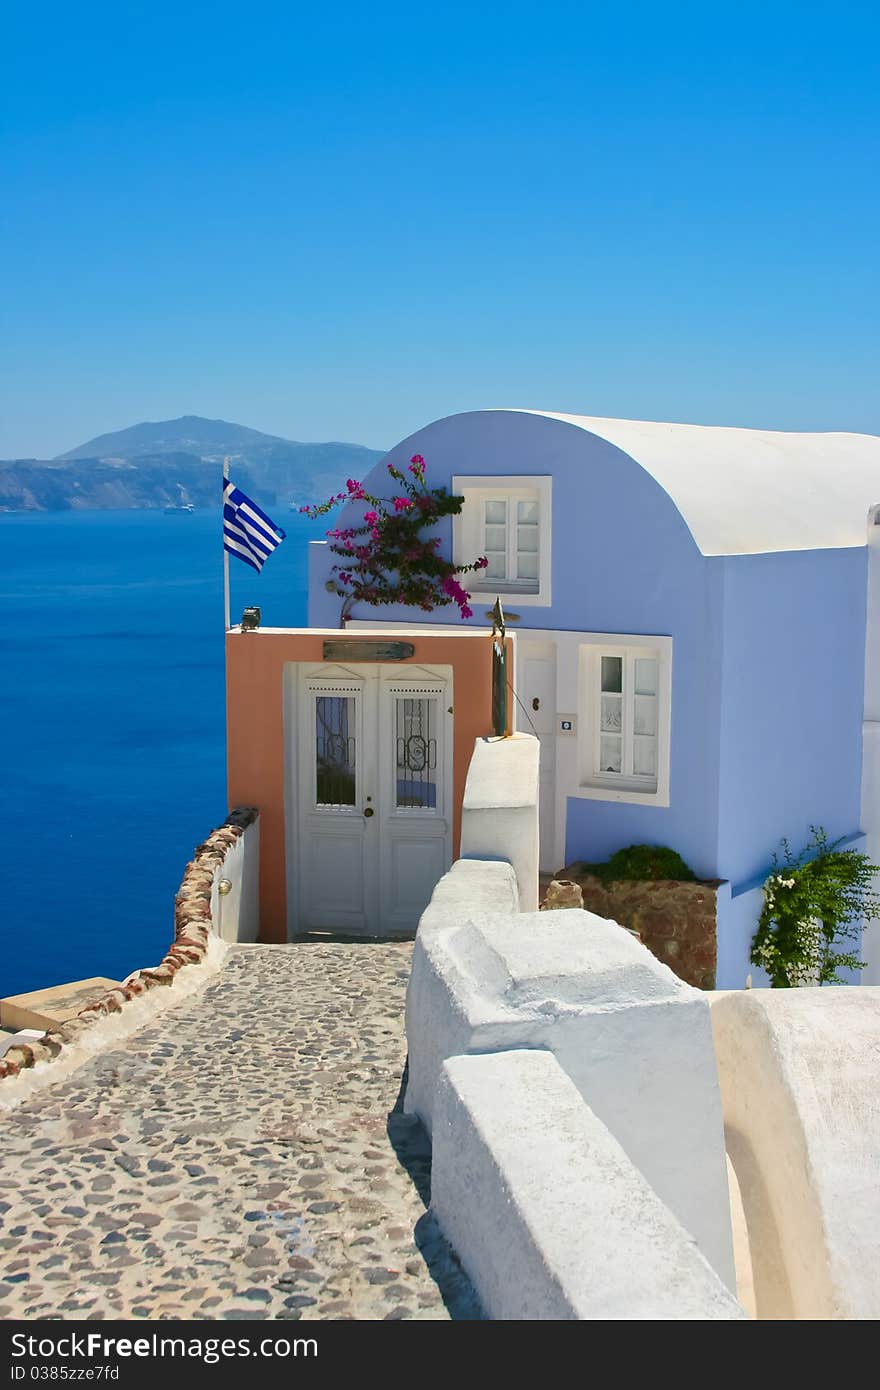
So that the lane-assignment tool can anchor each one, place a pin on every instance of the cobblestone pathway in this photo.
(241, 1158)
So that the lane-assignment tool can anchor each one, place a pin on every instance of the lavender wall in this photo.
(767, 673)
(623, 561)
(792, 679)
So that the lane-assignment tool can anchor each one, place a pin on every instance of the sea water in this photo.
(112, 718)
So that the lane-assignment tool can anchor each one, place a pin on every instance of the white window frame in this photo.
(618, 786)
(468, 535)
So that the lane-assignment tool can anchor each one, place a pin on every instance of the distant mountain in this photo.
(158, 463)
(191, 434)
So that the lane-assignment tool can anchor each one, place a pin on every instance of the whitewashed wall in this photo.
(236, 915)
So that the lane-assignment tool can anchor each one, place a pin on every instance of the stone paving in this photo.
(244, 1157)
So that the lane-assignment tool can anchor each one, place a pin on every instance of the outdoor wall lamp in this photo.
(251, 619)
(224, 887)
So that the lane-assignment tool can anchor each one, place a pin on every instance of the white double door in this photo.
(374, 777)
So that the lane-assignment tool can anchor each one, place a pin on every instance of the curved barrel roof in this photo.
(743, 492)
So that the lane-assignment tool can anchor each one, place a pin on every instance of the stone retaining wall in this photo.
(676, 921)
(193, 924)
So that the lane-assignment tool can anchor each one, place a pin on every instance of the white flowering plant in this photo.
(815, 905)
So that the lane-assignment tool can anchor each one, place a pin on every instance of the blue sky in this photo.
(344, 222)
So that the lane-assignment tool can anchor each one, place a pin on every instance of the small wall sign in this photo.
(567, 725)
(364, 649)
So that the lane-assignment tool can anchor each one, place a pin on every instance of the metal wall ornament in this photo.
(499, 671)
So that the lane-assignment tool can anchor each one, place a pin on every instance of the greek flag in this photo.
(248, 532)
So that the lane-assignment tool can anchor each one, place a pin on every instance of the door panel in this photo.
(338, 880)
(374, 755)
(415, 753)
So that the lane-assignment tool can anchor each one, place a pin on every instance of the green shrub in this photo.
(814, 903)
(642, 863)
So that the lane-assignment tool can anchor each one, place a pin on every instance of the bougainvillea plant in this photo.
(815, 903)
(388, 559)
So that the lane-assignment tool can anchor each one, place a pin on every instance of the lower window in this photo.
(624, 718)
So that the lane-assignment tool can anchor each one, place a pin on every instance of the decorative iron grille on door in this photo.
(416, 753)
(335, 750)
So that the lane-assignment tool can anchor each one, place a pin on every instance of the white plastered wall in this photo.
(236, 913)
(799, 1081)
(547, 1214)
(634, 1039)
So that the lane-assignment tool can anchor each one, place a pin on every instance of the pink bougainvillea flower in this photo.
(466, 612)
(482, 563)
(402, 504)
(417, 458)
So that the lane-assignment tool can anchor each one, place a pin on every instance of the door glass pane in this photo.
(646, 675)
(415, 754)
(612, 673)
(527, 512)
(334, 750)
(496, 513)
(610, 750)
(644, 756)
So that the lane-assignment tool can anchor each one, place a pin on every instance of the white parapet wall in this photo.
(235, 912)
(634, 1039)
(546, 1212)
(800, 1083)
(499, 816)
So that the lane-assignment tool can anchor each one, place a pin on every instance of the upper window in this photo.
(625, 718)
(507, 519)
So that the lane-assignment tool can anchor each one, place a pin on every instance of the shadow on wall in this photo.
(761, 1264)
(410, 1142)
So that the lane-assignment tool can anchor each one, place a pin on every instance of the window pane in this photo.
(645, 714)
(610, 753)
(497, 566)
(612, 673)
(496, 538)
(645, 757)
(646, 675)
(496, 512)
(334, 751)
(612, 714)
(416, 754)
(526, 566)
(527, 538)
(528, 512)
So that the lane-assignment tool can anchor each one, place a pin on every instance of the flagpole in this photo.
(225, 551)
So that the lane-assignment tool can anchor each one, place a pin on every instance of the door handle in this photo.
(368, 811)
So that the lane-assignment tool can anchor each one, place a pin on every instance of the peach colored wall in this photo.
(255, 731)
